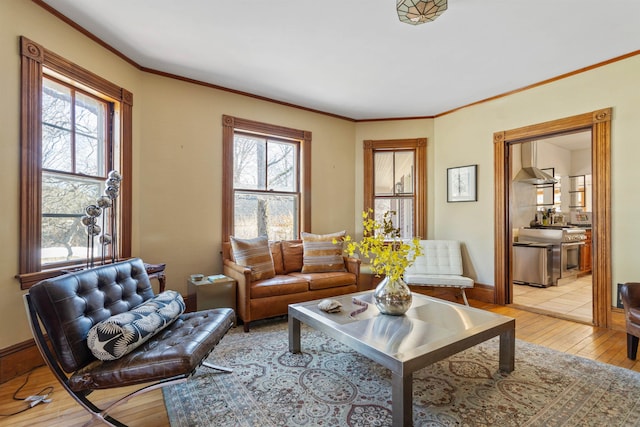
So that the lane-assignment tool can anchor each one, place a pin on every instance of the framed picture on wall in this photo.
(462, 184)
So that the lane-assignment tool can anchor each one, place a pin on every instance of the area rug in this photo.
(328, 384)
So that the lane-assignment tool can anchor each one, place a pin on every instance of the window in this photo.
(76, 127)
(75, 151)
(395, 180)
(266, 170)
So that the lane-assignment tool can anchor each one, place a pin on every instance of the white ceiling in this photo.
(354, 58)
(572, 141)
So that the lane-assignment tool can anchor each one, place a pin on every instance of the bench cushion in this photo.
(124, 332)
(176, 350)
(441, 280)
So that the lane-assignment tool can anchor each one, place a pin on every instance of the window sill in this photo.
(29, 279)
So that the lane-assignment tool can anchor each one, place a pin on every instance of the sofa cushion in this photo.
(292, 255)
(276, 255)
(321, 254)
(255, 254)
(124, 332)
(332, 279)
(278, 285)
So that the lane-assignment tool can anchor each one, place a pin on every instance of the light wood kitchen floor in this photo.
(568, 300)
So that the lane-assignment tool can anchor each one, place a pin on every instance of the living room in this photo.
(177, 159)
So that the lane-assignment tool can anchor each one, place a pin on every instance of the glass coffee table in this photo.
(430, 331)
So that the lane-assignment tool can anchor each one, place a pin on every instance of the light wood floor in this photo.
(148, 410)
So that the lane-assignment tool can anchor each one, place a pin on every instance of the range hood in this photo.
(529, 172)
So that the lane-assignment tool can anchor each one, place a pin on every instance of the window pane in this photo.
(275, 216)
(90, 124)
(403, 207)
(404, 172)
(64, 200)
(249, 162)
(282, 168)
(56, 126)
(383, 175)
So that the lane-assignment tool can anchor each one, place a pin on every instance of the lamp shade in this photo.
(416, 12)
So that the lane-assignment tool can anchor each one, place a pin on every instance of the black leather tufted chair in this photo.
(630, 293)
(68, 306)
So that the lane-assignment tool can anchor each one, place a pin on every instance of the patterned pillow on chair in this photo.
(321, 254)
(122, 333)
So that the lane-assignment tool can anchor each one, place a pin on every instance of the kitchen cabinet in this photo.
(577, 191)
(585, 254)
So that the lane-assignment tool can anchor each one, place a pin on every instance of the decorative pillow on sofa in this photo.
(321, 254)
(255, 254)
(122, 333)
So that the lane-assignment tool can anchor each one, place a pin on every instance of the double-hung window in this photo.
(267, 174)
(395, 180)
(76, 127)
(76, 157)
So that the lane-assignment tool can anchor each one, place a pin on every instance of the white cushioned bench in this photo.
(440, 265)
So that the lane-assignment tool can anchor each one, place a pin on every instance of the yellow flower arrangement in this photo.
(382, 246)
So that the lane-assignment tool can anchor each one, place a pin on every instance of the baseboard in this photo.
(19, 359)
(479, 292)
(482, 292)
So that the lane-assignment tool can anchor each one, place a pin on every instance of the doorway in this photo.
(599, 122)
(553, 278)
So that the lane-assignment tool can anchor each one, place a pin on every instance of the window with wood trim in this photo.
(395, 180)
(266, 180)
(76, 127)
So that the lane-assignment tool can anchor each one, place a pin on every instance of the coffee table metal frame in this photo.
(430, 331)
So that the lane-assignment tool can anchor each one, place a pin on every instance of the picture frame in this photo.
(462, 184)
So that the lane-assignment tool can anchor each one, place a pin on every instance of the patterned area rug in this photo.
(331, 385)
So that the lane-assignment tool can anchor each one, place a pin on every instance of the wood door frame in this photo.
(599, 122)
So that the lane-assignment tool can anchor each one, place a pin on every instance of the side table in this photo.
(205, 294)
(368, 279)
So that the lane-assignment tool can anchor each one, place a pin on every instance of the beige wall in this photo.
(177, 149)
(181, 171)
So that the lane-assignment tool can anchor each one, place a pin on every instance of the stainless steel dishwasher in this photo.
(533, 264)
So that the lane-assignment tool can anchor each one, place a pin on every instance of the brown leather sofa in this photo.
(69, 306)
(630, 295)
(271, 297)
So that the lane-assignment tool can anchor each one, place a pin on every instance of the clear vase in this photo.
(392, 297)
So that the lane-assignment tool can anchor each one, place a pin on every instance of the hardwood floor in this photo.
(599, 344)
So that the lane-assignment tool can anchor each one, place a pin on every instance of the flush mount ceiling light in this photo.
(417, 12)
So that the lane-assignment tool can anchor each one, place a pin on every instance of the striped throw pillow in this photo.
(321, 254)
(255, 254)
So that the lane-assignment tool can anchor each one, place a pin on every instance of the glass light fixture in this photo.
(417, 12)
